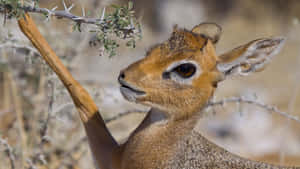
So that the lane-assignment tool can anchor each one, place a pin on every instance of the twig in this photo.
(31, 164)
(239, 100)
(19, 113)
(62, 106)
(75, 147)
(39, 98)
(123, 114)
(17, 46)
(6, 86)
(69, 153)
(45, 125)
(9, 151)
(6, 91)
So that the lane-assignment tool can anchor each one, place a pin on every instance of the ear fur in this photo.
(251, 57)
(210, 31)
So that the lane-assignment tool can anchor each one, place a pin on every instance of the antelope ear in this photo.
(251, 57)
(211, 31)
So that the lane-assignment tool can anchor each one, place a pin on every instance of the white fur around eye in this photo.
(175, 77)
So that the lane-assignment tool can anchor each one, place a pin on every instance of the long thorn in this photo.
(103, 15)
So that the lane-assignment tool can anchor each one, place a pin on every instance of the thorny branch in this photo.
(262, 105)
(57, 13)
(121, 23)
(9, 151)
(63, 14)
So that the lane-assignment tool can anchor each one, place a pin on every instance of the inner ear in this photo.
(251, 57)
(210, 31)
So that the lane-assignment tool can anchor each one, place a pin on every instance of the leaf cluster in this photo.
(11, 8)
(122, 24)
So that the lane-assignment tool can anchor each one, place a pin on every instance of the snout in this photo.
(128, 90)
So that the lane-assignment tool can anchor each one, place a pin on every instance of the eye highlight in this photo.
(185, 70)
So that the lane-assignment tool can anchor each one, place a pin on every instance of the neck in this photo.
(157, 137)
(156, 116)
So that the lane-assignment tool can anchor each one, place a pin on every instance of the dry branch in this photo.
(240, 100)
(18, 46)
(59, 13)
(19, 114)
(9, 151)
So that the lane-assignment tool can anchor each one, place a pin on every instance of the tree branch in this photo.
(255, 103)
(59, 13)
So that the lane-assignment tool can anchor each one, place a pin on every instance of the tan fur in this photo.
(170, 142)
(147, 73)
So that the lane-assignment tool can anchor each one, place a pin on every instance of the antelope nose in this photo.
(121, 77)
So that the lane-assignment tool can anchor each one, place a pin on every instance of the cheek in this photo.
(179, 98)
(205, 80)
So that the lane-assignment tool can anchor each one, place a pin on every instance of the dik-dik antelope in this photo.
(177, 78)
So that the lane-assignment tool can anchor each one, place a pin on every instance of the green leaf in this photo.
(76, 27)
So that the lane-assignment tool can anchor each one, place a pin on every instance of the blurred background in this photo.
(38, 119)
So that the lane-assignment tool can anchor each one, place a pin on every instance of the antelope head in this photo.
(179, 75)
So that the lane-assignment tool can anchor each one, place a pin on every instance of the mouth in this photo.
(130, 92)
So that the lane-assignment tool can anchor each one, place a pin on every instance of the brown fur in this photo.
(170, 142)
(146, 73)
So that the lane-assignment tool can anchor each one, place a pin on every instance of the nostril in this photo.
(121, 76)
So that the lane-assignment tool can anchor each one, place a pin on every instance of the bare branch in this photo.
(9, 151)
(123, 114)
(240, 100)
(31, 164)
(68, 154)
(19, 115)
(18, 46)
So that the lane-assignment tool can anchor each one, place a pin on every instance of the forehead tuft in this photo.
(184, 39)
(181, 39)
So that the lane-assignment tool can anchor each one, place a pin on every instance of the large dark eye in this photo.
(185, 70)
